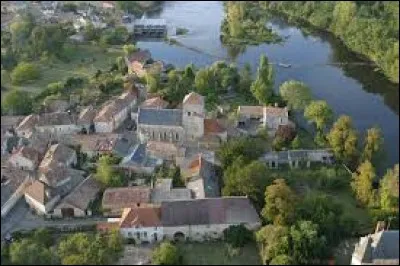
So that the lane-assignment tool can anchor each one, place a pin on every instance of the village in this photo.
(162, 154)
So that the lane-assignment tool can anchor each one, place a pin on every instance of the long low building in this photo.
(197, 220)
(294, 157)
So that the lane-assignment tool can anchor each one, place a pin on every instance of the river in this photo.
(355, 90)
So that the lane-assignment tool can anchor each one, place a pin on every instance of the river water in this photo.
(356, 90)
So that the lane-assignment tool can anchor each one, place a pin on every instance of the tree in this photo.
(282, 260)
(241, 179)
(106, 174)
(319, 113)
(324, 211)
(129, 49)
(24, 72)
(279, 203)
(307, 244)
(362, 182)
(262, 87)
(166, 254)
(90, 32)
(296, 94)
(250, 148)
(175, 175)
(389, 189)
(274, 241)
(343, 139)
(204, 81)
(286, 133)
(296, 143)
(153, 82)
(237, 235)
(373, 144)
(245, 79)
(28, 252)
(17, 102)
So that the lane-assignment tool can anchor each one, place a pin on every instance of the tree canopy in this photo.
(373, 144)
(262, 86)
(279, 203)
(166, 254)
(24, 72)
(319, 113)
(296, 94)
(362, 182)
(343, 139)
(389, 189)
(16, 102)
(106, 174)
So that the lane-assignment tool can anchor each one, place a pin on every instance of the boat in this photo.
(284, 65)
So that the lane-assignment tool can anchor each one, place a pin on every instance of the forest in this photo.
(369, 28)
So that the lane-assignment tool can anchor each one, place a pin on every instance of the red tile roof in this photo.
(212, 126)
(142, 216)
(193, 98)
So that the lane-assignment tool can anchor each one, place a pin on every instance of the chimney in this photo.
(380, 226)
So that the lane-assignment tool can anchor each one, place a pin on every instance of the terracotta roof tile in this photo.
(142, 216)
(156, 102)
(40, 192)
(193, 98)
(212, 126)
(250, 110)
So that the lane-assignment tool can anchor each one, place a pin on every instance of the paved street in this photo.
(21, 218)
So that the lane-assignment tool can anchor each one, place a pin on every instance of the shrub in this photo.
(237, 235)
(24, 72)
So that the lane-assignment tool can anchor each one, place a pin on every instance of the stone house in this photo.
(201, 178)
(166, 151)
(59, 154)
(85, 119)
(56, 125)
(27, 126)
(380, 248)
(193, 220)
(116, 199)
(163, 191)
(14, 181)
(137, 61)
(114, 112)
(271, 117)
(296, 157)
(25, 158)
(77, 203)
(60, 178)
(96, 144)
(141, 224)
(41, 197)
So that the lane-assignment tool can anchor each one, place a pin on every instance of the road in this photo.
(21, 218)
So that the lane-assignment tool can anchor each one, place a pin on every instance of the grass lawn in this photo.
(216, 254)
(81, 64)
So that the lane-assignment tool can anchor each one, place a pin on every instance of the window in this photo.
(165, 135)
(176, 136)
(138, 235)
(145, 234)
(188, 113)
(129, 234)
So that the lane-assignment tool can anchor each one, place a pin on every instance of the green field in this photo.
(85, 60)
(217, 254)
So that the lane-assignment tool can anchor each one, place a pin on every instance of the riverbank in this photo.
(380, 50)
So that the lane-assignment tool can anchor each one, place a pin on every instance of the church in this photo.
(178, 125)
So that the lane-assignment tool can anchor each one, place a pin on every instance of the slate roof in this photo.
(228, 210)
(202, 169)
(161, 117)
(379, 248)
